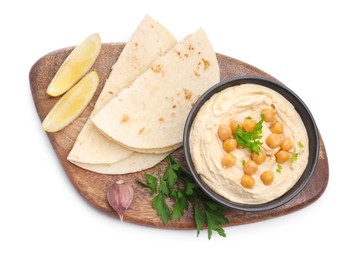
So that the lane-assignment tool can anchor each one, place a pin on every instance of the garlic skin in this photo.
(120, 196)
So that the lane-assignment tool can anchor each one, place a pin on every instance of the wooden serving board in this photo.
(93, 187)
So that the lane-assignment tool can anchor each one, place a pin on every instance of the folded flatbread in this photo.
(92, 149)
(151, 113)
(134, 163)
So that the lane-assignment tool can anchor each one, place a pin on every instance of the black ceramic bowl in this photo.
(307, 120)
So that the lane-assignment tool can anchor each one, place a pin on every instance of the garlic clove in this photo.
(120, 196)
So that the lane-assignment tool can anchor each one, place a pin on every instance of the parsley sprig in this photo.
(178, 185)
(250, 140)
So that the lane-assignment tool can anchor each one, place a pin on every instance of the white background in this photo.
(311, 46)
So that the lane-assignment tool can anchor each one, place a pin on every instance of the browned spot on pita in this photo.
(197, 74)
(141, 131)
(187, 94)
(174, 106)
(110, 92)
(161, 119)
(205, 63)
(157, 68)
(125, 119)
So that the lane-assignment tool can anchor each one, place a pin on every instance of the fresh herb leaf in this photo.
(294, 157)
(163, 187)
(212, 205)
(189, 186)
(180, 206)
(243, 162)
(214, 221)
(170, 176)
(208, 213)
(279, 168)
(300, 144)
(200, 219)
(159, 203)
(257, 133)
(177, 184)
(152, 183)
(250, 140)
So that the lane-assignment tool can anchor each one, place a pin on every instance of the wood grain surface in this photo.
(93, 187)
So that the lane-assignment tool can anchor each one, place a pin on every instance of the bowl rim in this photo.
(281, 89)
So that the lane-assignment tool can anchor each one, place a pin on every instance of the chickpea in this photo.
(282, 156)
(276, 128)
(224, 132)
(269, 114)
(247, 181)
(286, 144)
(259, 158)
(250, 167)
(267, 177)
(228, 160)
(274, 140)
(233, 125)
(249, 125)
(229, 145)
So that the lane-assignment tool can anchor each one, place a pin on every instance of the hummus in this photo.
(238, 103)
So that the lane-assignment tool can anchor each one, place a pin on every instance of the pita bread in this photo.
(157, 103)
(92, 149)
(134, 163)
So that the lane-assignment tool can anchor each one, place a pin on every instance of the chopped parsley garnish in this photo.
(279, 168)
(250, 140)
(300, 144)
(294, 157)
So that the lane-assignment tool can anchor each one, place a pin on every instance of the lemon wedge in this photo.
(72, 104)
(76, 65)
